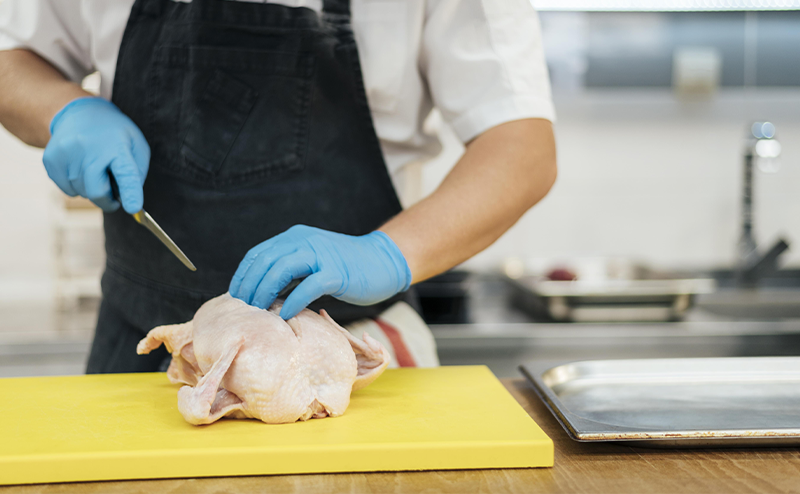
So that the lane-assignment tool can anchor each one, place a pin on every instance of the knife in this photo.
(147, 221)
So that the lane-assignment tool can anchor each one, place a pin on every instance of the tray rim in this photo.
(620, 288)
(581, 429)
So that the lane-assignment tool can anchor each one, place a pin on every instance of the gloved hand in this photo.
(91, 136)
(360, 270)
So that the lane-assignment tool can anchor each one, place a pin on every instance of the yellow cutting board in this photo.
(127, 426)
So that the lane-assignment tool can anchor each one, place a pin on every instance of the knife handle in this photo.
(114, 187)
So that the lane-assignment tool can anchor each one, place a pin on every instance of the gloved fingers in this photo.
(140, 150)
(129, 181)
(98, 186)
(54, 162)
(258, 269)
(241, 270)
(285, 238)
(291, 236)
(107, 204)
(59, 177)
(56, 159)
(311, 288)
(236, 282)
(75, 166)
(283, 272)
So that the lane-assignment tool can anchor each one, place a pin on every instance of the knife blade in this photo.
(147, 221)
(143, 218)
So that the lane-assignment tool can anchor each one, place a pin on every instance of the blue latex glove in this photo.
(359, 270)
(89, 137)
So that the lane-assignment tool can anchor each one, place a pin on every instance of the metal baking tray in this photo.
(650, 300)
(703, 402)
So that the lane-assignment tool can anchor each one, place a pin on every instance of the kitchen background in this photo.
(653, 113)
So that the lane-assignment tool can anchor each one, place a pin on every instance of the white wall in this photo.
(645, 176)
(26, 236)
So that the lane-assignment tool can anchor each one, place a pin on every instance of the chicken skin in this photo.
(240, 361)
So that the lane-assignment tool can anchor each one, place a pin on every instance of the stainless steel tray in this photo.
(707, 402)
(607, 301)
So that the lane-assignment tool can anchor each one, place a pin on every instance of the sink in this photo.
(773, 298)
(783, 279)
(731, 322)
(762, 304)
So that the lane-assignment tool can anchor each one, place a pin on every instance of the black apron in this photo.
(257, 120)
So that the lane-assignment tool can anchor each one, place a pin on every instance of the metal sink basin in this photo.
(774, 298)
(731, 322)
(761, 304)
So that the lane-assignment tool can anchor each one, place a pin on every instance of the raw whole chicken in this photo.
(240, 361)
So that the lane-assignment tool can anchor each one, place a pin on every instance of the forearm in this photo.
(502, 174)
(31, 92)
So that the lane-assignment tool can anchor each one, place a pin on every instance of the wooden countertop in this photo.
(579, 467)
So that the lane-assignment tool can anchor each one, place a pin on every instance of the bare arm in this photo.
(502, 174)
(31, 92)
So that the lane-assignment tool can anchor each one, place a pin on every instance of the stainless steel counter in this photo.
(39, 343)
(502, 338)
(504, 346)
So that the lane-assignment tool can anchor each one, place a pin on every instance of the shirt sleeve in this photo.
(485, 64)
(54, 29)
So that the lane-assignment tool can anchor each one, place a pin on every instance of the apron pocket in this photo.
(217, 121)
(226, 117)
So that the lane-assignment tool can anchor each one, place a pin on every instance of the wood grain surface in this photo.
(579, 468)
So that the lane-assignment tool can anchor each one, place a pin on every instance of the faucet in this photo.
(762, 146)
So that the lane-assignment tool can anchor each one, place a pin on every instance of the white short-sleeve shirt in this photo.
(480, 62)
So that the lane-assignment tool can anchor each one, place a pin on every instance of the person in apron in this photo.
(251, 125)
(257, 121)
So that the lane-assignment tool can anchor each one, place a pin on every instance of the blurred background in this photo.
(672, 230)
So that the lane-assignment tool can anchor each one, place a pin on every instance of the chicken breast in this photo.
(240, 361)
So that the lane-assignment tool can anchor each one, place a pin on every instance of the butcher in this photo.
(277, 142)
